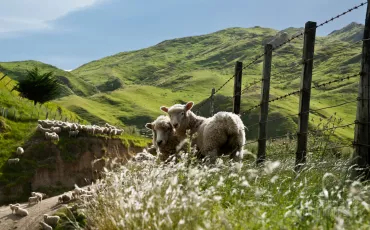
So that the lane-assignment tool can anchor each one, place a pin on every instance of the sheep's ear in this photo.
(189, 105)
(149, 125)
(164, 109)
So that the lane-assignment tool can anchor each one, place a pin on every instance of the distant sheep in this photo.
(20, 211)
(164, 138)
(51, 136)
(223, 133)
(33, 199)
(38, 194)
(73, 133)
(20, 151)
(45, 226)
(13, 160)
(51, 220)
(42, 129)
(64, 198)
(56, 129)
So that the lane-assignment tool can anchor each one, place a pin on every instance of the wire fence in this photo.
(291, 70)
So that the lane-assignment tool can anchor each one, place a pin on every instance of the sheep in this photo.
(51, 136)
(51, 220)
(43, 130)
(38, 194)
(223, 133)
(13, 160)
(60, 199)
(20, 211)
(12, 206)
(45, 226)
(56, 129)
(34, 199)
(65, 198)
(143, 156)
(20, 151)
(165, 139)
(73, 133)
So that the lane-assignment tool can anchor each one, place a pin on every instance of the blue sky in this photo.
(69, 33)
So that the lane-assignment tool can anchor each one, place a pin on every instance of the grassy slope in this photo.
(17, 70)
(187, 68)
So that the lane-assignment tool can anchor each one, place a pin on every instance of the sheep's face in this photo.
(178, 114)
(162, 130)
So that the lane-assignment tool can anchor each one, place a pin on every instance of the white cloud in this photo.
(25, 15)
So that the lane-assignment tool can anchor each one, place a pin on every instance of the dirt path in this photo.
(30, 222)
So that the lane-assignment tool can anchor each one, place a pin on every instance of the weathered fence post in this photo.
(212, 102)
(362, 126)
(237, 86)
(305, 93)
(47, 114)
(265, 93)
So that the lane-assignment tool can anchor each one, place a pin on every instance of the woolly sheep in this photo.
(12, 206)
(51, 220)
(13, 160)
(20, 151)
(33, 199)
(38, 194)
(73, 133)
(43, 130)
(223, 133)
(45, 226)
(164, 138)
(56, 129)
(20, 211)
(51, 136)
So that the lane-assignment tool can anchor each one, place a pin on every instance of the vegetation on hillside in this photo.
(229, 195)
(39, 88)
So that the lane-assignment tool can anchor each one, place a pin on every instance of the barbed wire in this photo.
(295, 134)
(280, 45)
(334, 81)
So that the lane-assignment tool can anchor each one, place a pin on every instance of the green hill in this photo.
(188, 68)
(133, 85)
(74, 85)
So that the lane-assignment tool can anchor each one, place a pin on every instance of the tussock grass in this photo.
(228, 195)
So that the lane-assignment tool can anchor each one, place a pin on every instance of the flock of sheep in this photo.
(221, 134)
(52, 129)
(36, 197)
(51, 221)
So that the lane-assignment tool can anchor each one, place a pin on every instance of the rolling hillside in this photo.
(73, 84)
(133, 85)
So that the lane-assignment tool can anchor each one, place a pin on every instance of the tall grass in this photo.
(229, 195)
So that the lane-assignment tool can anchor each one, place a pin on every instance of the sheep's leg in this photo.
(212, 156)
(237, 154)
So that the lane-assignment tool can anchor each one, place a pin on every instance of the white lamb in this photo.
(73, 133)
(20, 151)
(12, 206)
(51, 220)
(223, 133)
(164, 138)
(13, 160)
(45, 226)
(20, 211)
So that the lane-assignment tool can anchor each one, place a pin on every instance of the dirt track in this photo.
(30, 222)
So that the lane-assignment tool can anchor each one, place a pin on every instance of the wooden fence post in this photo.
(265, 93)
(362, 126)
(212, 102)
(305, 93)
(237, 86)
(47, 114)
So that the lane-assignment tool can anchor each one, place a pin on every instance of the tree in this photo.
(38, 87)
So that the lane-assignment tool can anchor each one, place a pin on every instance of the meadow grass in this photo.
(229, 195)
